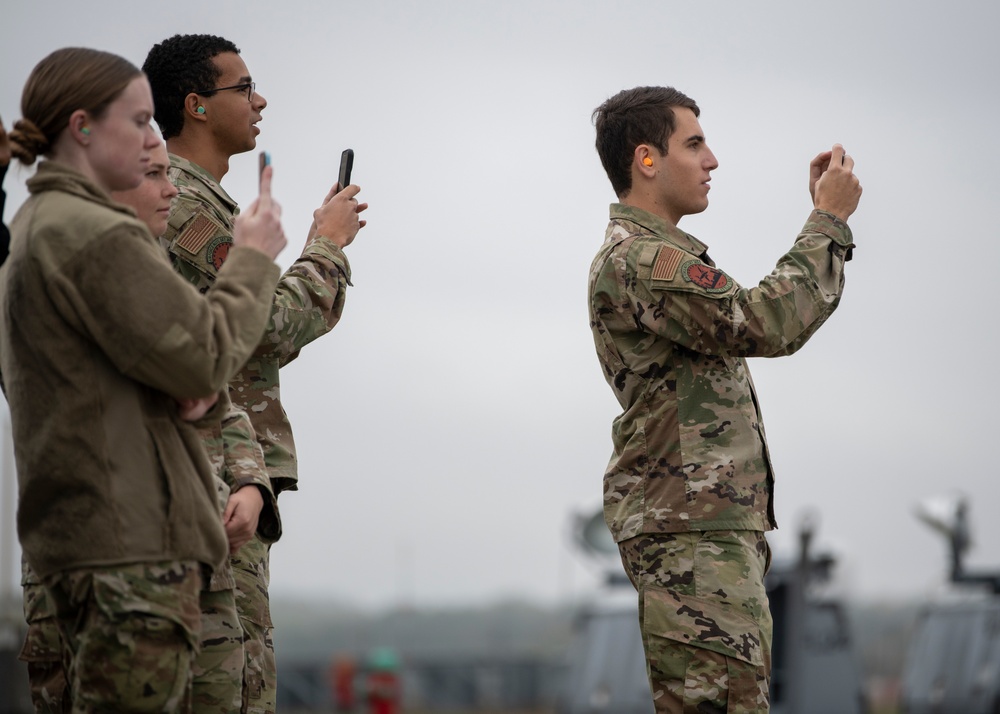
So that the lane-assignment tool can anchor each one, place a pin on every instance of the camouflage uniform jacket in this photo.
(307, 304)
(237, 461)
(671, 333)
(93, 320)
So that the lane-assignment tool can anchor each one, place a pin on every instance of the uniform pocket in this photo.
(702, 623)
(137, 663)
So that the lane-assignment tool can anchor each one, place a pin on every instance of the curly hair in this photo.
(66, 80)
(643, 115)
(178, 66)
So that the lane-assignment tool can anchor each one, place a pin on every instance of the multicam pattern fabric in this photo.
(671, 332)
(250, 566)
(238, 462)
(130, 635)
(42, 649)
(307, 304)
(218, 669)
(219, 665)
(703, 612)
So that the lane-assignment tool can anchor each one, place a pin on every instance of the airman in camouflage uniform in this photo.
(236, 461)
(688, 491)
(219, 668)
(308, 301)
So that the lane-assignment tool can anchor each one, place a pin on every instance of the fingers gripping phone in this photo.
(346, 164)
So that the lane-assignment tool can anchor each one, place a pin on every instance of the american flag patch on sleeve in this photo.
(197, 234)
(666, 264)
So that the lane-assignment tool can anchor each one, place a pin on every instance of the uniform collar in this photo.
(659, 227)
(54, 176)
(201, 176)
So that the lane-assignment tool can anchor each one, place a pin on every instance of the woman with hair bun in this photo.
(109, 361)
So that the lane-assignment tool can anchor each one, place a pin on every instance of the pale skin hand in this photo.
(241, 515)
(832, 184)
(337, 218)
(259, 227)
(195, 409)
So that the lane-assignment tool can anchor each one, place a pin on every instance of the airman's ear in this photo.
(644, 161)
(193, 108)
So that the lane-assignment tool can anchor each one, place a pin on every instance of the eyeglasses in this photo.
(249, 86)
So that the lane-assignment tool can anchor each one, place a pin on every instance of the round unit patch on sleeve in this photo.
(706, 277)
(218, 250)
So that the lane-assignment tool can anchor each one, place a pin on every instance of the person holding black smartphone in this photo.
(207, 108)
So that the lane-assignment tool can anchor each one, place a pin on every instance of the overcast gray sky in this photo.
(457, 417)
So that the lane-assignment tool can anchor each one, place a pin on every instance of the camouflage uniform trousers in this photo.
(218, 668)
(705, 621)
(250, 567)
(42, 651)
(129, 635)
(217, 671)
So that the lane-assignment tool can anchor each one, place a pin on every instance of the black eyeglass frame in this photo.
(251, 88)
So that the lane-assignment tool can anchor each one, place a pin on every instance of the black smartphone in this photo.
(265, 160)
(346, 164)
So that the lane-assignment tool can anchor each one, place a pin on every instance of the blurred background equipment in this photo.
(953, 664)
(814, 665)
(606, 667)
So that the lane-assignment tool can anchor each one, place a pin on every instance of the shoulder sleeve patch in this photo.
(666, 264)
(709, 279)
(198, 232)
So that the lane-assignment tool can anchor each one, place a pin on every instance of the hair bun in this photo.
(28, 141)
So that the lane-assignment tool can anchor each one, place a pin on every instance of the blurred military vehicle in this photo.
(814, 668)
(953, 664)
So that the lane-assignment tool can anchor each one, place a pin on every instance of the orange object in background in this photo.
(342, 672)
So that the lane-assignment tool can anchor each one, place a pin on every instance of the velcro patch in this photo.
(666, 264)
(218, 251)
(198, 232)
(706, 277)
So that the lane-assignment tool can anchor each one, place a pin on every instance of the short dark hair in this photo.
(178, 66)
(643, 115)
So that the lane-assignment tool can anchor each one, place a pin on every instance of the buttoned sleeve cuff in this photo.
(269, 521)
(833, 228)
(326, 248)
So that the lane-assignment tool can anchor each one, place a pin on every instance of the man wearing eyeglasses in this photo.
(208, 109)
